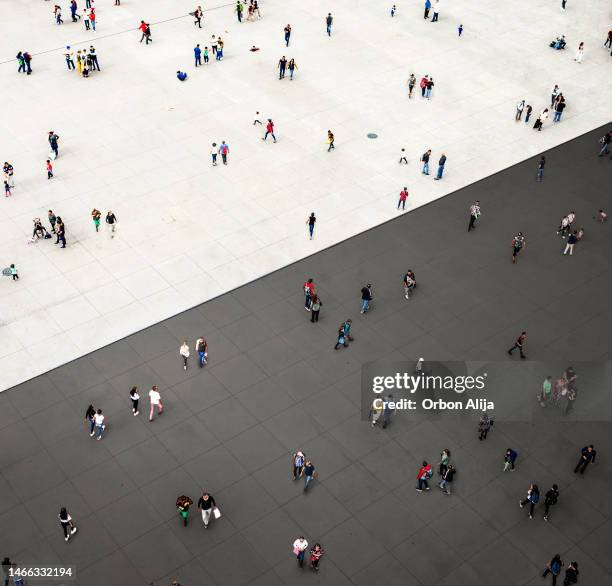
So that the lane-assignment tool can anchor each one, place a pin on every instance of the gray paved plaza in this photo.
(275, 384)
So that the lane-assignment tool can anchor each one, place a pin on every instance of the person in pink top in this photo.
(402, 198)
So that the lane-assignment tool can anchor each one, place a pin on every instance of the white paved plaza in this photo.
(136, 141)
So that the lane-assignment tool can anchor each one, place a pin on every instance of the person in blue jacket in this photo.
(181, 75)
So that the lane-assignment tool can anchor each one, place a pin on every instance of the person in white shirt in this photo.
(155, 399)
(563, 227)
(299, 549)
(99, 425)
(519, 110)
(184, 352)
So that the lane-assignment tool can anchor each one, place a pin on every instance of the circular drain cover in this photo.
(372, 135)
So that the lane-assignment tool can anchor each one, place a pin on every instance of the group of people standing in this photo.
(86, 60)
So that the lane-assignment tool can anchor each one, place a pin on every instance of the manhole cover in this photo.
(372, 135)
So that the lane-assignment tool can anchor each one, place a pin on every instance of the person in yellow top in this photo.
(79, 61)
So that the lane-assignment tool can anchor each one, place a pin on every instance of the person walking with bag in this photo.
(299, 550)
(206, 504)
(533, 498)
(550, 499)
(89, 418)
(423, 475)
(201, 348)
(316, 553)
(553, 567)
(99, 425)
(67, 524)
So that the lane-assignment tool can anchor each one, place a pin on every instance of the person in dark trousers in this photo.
(287, 34)
(520, 341)
(311, 221)
(239, 9)
(6, 566)
(388, 412)
(67, 524)
(447, 479)
(206, 504)
(315, 308)
(571, 574)
(484, 425)
(269, 130)
(366, 297)
(540, 171)
(297, 464)
(282, 65)
(423, 475)
(60, 232)
(27, 58)
(550, 499)
(518, 243)
(93, 56)
(197, 15)
(587, 455)
(533, 497)
(309, 474)
(328, 23)
(330, 140)
(309, 291)
(528, 111)
(441, 164)
(197, 55)
(89, 418)
(53, 143)
(49, 170)
(425, 160)
(316, 553)
(474, 215)
(509, 459)
(553, 567)
(134, 397)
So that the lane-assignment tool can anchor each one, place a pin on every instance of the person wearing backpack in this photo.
(533, 497)
(553, 567)
(424, 474)
(550, 498)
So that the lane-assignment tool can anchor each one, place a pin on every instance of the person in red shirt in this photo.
(146, 31)
(519, 344)
(309, 292)
(423, 85)
(49, 169)
(269, 130)
(425, 472)
(402, 198)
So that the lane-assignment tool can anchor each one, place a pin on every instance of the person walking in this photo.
(518, 243)
(96, 215)
(509, 459)
(299, 550)
(550, 499)
(60, 232)
(441, 164)
(559, 111)
(411, 84)
(53, 144)
(111, 223)
(533, 497)
(197, 15)
(429, 89)
(553, 567)
(425, 160)
(328, 23)
(197, 55)
(423, 475)
(528, 111)
(282, 65)
(366, 297)
(571, 242)
(444, 460)
(403, 158)
(427, 9)
(297, 464)
(608, 41)
(287, 34)
(205, 55)
(316, 553)
(49, 169)
(474, 215)
(86, 19)
(311, 221)
(447, 479)
(518, 344)
(89, 418)
(224, 149)
(485, 423)
(346, 328)
(134, 397)
(315, 309)
(291, 66)
(402, 198)
(14, 272)
(309, 474)
(213, 153)
(563, 228)
(571, 574)
(539, 123)
(330, 140)
(201, 347)
(239, 10)
(145, 29)
(579, 53)
(27, 60)
(540, 171)
(605, 141)
(269, 130)
(155, 401)
(587, 456)
(309, 291)
(519, 110)
(182, 504)
(409, 283)
(206, 505)
(68, 526)
(436, 11)
(69, 55)
(184, 352)
(393, 10)
(99, 425)
(92, 18)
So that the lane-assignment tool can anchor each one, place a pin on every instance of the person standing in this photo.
(425, 160)
(411, 84)
(297, 464)
(49, 169)
(99, 425)
(579, 53)
(528, 111)
(309, 291)
(206, 504)
(587, 456)
(571, 574)
(441, 164)
(485, 423)
(402, 198)
(67, 524)
(444, 461)
(9, 173)
(509, 459)
(518, 243)
(311, 221)
(328, 23)
(533, 497)
(86, 19)
(366, 297)
(287, 34)
(316, 553)
(182, 504)
(69, 54)
(571, 242)
(111, 223)
(89, 418)
(60, 232)
(92, 18)
(425, 472)
(93, 57)
(540, 171)
(239, 9)
(520, 342)
(213, 153)
(197, 55)
(545, 394)
(553, 567)
(460, 30)
(315, 309)
(282, 65)
(309, 474)
(409, 283)
(550, 499)
(155, 400)
(299, 550)
(605, 141)
(330, 140)
(427, 9)
(393, 10)
(197, 15)
(205, 55)
(53, 143)
(429, 88)
(223, 149)
(474, 215)
(436, 11)
(269, 130)
(220, 46)
(201, 348)
(14, 273)
(519, 110)
(292, 66)
(184, 352)
(134, 397)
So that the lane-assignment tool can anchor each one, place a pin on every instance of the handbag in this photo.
(217, 513)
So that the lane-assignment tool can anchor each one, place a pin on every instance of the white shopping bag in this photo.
(217, 513)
